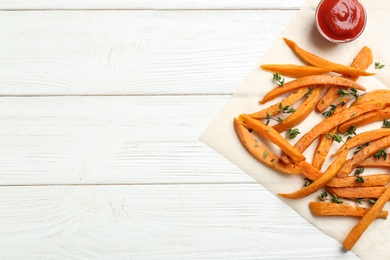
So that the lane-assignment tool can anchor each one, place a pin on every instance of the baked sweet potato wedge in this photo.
(317, 61)
(261, 153)
(366, 220)
(294, 71)
(362, 61)
(317, 80)
(334, 209)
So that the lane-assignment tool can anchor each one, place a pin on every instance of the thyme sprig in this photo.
(386, 124)
(379, 66)
(330, 111)
(381, 153)
(360, 147)
(351, 91)
(292, 133)
(359, 178)
(278, 78)
(286, 109)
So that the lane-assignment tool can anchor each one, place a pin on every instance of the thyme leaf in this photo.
(292, 133)
(380, 153)
(278, 78)
(379, 66)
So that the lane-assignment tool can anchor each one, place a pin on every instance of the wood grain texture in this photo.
(155, 222)
(132, 52)
(84, 140)
(156, 4)
(87, 175)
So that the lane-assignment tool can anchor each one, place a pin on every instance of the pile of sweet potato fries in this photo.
(326, 87)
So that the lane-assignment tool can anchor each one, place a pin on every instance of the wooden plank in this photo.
(84, 140)
(140, 4)
(156, 222)
(132, 52)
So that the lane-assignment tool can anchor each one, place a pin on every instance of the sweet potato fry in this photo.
(365, 119)
(369, 180)
(262, 154)
(309, 171)
(334, 209)
(364, 153)
(366, 220)
(319, 80)
(323, 63)
(325, 141)
(357, 192)
(364, 138)
(320, 182)
(328, 123)
(381, 94)
(372, 162)
(275, 109)
(362, 62)
(294, 71)
(300, 113)
(273, 136)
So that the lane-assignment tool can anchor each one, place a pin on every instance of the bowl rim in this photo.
(336, 40)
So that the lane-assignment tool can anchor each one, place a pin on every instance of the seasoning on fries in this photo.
(344, 181)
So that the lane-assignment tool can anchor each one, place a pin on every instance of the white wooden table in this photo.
(101, 107)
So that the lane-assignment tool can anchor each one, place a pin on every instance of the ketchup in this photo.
(340, 20)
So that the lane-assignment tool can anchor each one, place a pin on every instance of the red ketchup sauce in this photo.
(340, 20)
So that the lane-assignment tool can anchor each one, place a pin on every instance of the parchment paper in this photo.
(220, 135)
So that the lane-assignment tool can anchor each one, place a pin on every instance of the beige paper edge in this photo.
(220, 134)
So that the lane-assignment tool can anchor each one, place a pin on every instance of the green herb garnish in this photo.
(372, 201)
(309, 92)
(379, 66)
(351, 131)
(342, 92)
(359, 179)
(335, 199)
(330, 111)
(360, 147)
(292, 133)
(279, 79)
(380, 153)
(307, 182)
(386, 124)
(286, 109)
(323, 196)
(337, 138)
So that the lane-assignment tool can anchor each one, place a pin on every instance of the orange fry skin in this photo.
(275, 109)
(324, 142)
(372, 162)
(300, 113)
(319, 80)
(322, 149)
(336, 119)
(273, 136)
(309, 171)
(362, 61)
(294, 71)
(364, 138)
(323, 63)
(366, 220)
(365, 119)
(334, 209)
(258, 151)
(320, 182)
(357, 192)
(369, 181)
(381, 94)
(364, 153)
